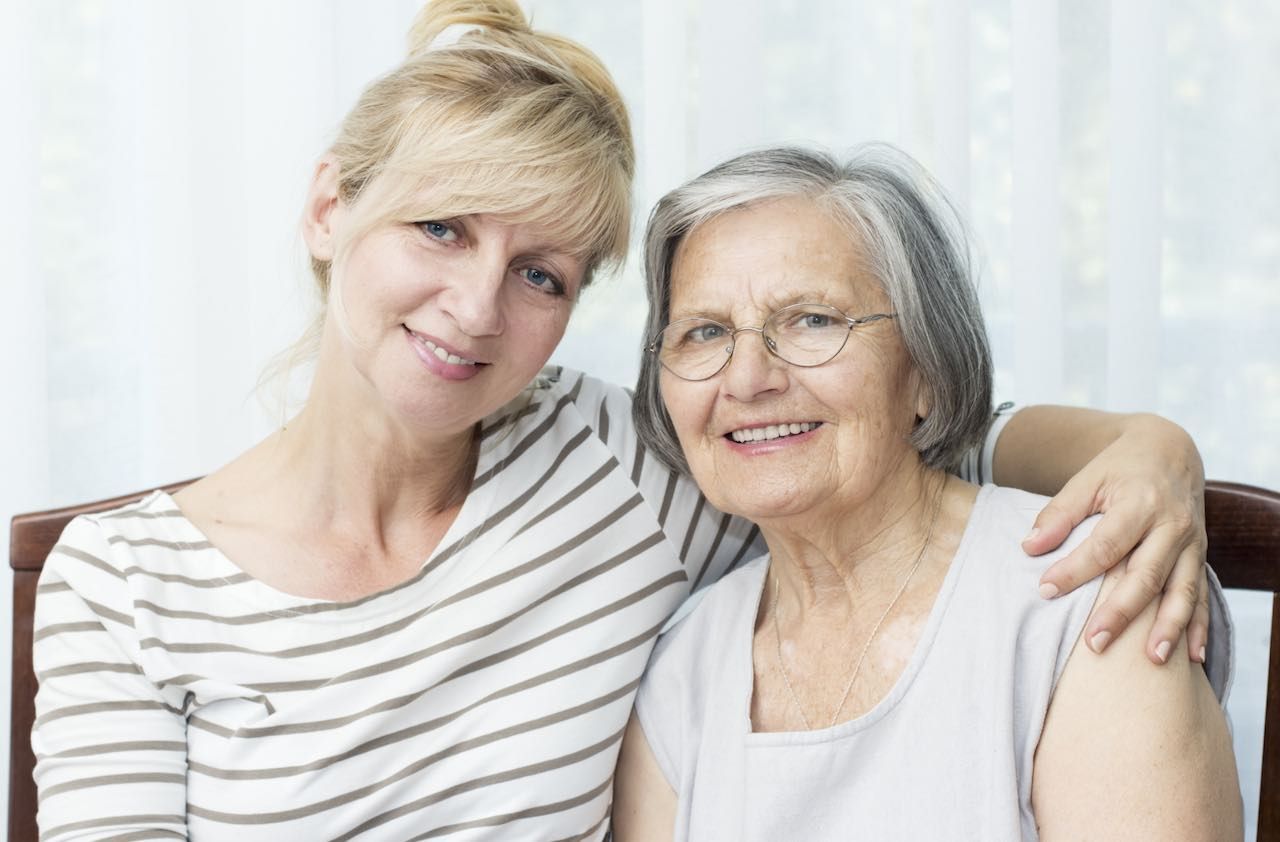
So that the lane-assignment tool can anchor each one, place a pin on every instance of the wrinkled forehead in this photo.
(766, 255)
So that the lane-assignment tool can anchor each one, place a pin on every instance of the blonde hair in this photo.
(485, 115)
(498, 119)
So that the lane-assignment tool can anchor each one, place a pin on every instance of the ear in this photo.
(320, 212)
(923, 399)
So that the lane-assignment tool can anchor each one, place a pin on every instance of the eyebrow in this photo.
(722, 316)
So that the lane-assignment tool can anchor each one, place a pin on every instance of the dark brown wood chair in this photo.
(1244, 549)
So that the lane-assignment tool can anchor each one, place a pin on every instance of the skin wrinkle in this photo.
(846, 508)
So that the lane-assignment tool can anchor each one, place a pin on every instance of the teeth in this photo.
(442, 354)
(773, 431)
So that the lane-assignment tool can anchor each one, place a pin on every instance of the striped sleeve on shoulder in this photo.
(977, 465)
(708, 541)
(110, 747)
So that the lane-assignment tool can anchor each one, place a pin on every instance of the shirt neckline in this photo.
(442, 580)
(895, 694)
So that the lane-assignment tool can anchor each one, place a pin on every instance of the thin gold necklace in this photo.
(857, 665)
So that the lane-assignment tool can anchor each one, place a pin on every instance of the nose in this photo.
(752, 371)
(475, 297)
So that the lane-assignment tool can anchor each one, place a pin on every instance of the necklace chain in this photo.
(857, 665)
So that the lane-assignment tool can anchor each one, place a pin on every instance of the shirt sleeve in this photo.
(977, 466)
(660, 706)
(709, 542)
(111, 752)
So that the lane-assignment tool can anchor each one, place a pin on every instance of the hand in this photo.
(1148, 485)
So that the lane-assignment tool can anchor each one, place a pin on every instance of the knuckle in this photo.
(1180, 602)
(1117, 615)
(1147, 497)
(1188, 593)
(1106, 552)
(1184, 522)
(1146, 582)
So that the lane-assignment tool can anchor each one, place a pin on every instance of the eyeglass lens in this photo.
(801, 334)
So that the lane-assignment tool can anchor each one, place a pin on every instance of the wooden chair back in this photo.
(1243, 523)
(1244, 548)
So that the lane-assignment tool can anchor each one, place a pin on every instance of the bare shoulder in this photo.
(1133, 750)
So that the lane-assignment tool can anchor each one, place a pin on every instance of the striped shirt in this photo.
(482, 699)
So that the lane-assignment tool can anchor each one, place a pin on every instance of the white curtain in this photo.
(1117, 162)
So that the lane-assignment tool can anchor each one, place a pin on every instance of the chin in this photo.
(767, 505)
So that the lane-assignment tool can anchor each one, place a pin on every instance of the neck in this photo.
(354, 466)
(859, 549)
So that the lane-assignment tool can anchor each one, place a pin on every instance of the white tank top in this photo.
(946, 754)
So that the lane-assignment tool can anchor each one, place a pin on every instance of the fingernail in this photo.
(1162, 650)
(1031, 535)
(1202, 654)
(1048, 590)
(1100, 640)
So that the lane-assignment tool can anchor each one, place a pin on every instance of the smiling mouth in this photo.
(440, 353)
(772, 431)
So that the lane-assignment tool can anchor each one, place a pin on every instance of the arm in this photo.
(644, 804)
(1134, 751)
(1145, 476)
(110, 749)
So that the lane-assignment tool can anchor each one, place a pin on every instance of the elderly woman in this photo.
(887, 671)
(422, 607)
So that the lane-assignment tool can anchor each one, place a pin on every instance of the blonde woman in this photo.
(422, 607)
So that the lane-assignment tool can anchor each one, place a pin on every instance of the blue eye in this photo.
(706, 333)
(801, 320)
(541, 280)
(439, 230)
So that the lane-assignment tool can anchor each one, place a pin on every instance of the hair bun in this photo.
(438, 16)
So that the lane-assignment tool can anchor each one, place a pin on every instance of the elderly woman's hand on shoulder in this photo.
(1144, 475)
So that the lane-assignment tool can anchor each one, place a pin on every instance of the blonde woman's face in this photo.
(447, 320)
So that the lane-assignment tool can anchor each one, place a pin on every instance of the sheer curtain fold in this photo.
(1116, 163)
(24, 440)
(1135, 203)
(731, 81)
(1036, 209)
(951, 107)
(662, 125)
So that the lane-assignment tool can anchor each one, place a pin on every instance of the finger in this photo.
(1112, 539)
(1177, 605)
(1198, 631)
(1075, 502)
(1143, 581)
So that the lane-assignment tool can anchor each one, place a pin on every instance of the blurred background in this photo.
(1117, 161)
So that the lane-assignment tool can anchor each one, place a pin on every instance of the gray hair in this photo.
(914, 244)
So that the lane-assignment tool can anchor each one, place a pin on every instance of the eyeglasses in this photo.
(804, 335)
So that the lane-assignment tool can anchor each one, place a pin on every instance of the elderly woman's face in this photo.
(831, 434)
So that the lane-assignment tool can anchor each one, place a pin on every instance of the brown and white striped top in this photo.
(483, 699)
